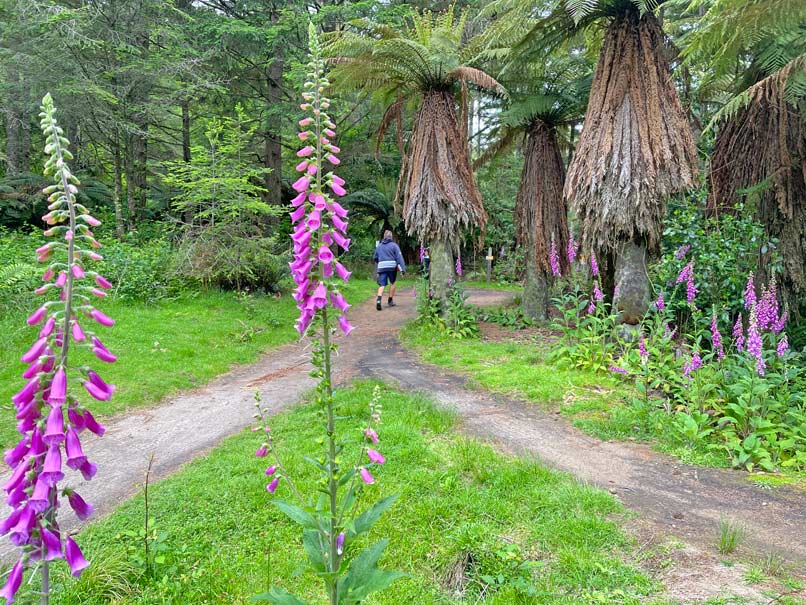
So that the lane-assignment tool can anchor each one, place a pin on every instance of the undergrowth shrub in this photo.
(457, 320)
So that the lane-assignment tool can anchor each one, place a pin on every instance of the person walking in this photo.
(390, 261)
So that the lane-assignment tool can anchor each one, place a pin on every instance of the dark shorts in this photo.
(387, 277)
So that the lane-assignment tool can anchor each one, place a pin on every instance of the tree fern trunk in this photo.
(535, 291)
(631, 293)
(442, 271)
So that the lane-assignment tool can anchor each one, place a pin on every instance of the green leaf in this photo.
(312, 541)
(297, 514)
(364, 577)
(278, 596)
(366, 520)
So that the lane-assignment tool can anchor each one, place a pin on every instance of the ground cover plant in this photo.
(469, 526)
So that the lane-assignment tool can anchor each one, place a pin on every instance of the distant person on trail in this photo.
(425, 263)
(390, 261)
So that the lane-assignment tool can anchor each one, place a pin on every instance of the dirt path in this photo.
(671, 497)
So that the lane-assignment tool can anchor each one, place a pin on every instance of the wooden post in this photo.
(489, 264)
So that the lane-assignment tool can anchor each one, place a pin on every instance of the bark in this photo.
(273, 142)
(18, 126)
(441, 270)
(441, 197)
(636, 146)
(118, 191)
(632, 289)
(185, 105)
(12, 141)
(764, 143)
(536, 291)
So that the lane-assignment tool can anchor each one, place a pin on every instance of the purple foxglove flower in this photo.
(99, 382)
(103, 282)
(271, 470)
(691, 290)
(58, 388)
(780, 323)
(738, 333)
(104, 355)
(371, 435)
(52, 468)
(303, 135)
(21, 533)
(314, 220)
(375, 456)
(342, 241)
(78, 333)
(13, 583)
(271, 487)
(750, 292)
(422, 252)
(16, 477)
(76, 419)
(366, 476)
(11, 520)
(644, 354)
(61, 280)
(302, 238)
(39, 500)
(15, 454)
(342, 272)
(345, 325)
(617, 370)
(48, 275)
(35, 351)
(75, 558)
(333, 160)
(305, 152)
(660, 305)
(82, 509)
(312, 170)
(685, 273)
(98, 293)
(327, 238)
(572, 249)
(338, 189)
(88, 470)
(297, 214)
(695, 363)
(26, 394)
(594, 266)
(299, 199)
(102, 318)
(597, 292)
(338, 223)
(554, 259)
(54, 430)
(681, 252)
(337, 179)
(305, 122)
(92, 425)
(754, 343)
(32, 370)
(78, 271)
(591, 307)
(716, 338)
(68, 235)
(338, 301)
(53, 544)
(340, 544)
(262, 452)
(783, 345)
(301, 184)
(325, 254)
(75, 455)
(319, 202)
(335, 149)
(47, 329)
(458, 266)
(37, 316)
(329, 132)
(327, 270)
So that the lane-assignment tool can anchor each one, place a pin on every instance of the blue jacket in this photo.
(388, 256)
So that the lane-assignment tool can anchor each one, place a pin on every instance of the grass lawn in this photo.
(594, 402)
(166, 347)
(471, 526)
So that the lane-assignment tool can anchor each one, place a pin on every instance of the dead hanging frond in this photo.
(477, 77)
(441, 197)
(393, 113)
(636, 147)
(765, 142)
(540, 211)
(509, 136)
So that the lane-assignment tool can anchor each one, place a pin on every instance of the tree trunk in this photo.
(185, 104)
(273, 149)
(441, 271)
(18, 126)
(118, 191)
(535, 291)
(12, 141)
(631, 296)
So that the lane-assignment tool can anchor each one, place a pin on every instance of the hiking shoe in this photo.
(378, 304)
(391, 303)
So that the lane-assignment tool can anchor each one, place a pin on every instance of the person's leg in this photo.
(392, 279)
(381, 285)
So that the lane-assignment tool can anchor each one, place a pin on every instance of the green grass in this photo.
(164, 348)
(462, 509)
(594, 402)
